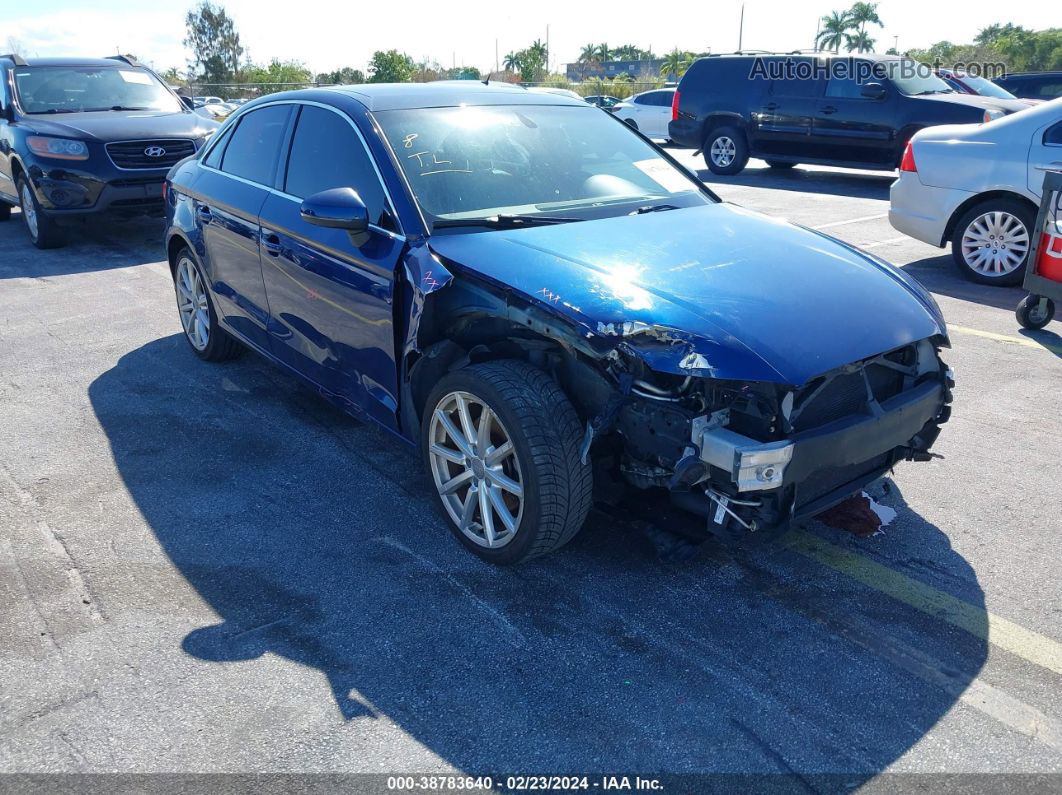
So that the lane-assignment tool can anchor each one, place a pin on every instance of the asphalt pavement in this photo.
(207, 568)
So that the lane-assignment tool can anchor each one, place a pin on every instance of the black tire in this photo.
(780, 165)
(5, 211)
(220, 346)
(47, 233)
(1029, 314)
(736, 151)
(546, 434)
(1023, 212)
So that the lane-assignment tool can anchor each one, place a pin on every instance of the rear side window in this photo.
(326, 152)
(796, 87)
(844, 88)
(1049, 88)
(1053, 136)
(253, 148)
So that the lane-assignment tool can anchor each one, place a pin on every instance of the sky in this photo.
(328, 34)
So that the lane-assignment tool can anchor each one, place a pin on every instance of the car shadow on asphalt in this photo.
(92, 244)
(313, 537)
(807, 179)
(940, 276)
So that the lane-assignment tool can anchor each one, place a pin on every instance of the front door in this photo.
(848, 126)
(330, 297)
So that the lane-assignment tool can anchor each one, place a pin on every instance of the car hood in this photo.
(977, 101)
(716, 290)
(113, 125)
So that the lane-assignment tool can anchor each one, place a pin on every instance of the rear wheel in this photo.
(992, 240)
(501, 443)
(43, 231)
(726, 151)
(196, 310)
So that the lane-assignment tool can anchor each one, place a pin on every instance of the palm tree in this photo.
(511, 62)
(859, 42)
(675, 63)
(862, 14)
(834, 28)
(588, 54)
(603, 52)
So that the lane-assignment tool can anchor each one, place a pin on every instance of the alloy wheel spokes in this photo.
(475, 468)
(192, 304)
(995, 243)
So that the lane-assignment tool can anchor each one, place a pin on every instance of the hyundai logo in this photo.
(154, 151)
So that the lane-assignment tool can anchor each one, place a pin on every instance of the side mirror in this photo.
(873, 91)
(188, 103)
(337, 208)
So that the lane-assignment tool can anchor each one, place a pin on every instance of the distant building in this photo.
(610, 69)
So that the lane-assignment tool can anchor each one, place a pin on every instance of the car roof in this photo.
(77, 62)
(406, 96)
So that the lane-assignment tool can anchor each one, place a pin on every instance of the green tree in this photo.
(347, 76)
(676, 63)
(277, 75)
(511, 62)
(863, 14)
(834, 27)
(391, 67)
(993, 33)
(214, 42)
(464, 73)
(858, 42)
(604, 53)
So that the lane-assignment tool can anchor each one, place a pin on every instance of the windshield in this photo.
(913, 78)
(76, 89)
(986, 88)
(478, 162)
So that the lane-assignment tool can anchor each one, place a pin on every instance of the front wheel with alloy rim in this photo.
(725, 151)
(196, 310)
(992, 240)
(501, 443)
(43, 231)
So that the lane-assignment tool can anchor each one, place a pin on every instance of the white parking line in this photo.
(851, 221)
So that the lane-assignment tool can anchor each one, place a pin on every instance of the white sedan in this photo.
(648, 112)
(978, 186)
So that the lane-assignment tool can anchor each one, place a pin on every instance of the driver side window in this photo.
(326, 152)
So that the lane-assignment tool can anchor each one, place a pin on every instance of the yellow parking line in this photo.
(1028, 343)
(977, 621)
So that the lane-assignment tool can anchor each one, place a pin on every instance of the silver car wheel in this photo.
(723, 151)
(29, 210)
(192, 304)
(475, 469)
(995, 243)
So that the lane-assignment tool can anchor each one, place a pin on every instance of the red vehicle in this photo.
(975, 84)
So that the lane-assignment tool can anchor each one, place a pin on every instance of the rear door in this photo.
(656, 113)
(330, 297)
(783, 125)
(849, 126)
(236, 177)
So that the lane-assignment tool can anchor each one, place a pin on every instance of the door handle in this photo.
(203, 213)
(271, 243)
(828, 110)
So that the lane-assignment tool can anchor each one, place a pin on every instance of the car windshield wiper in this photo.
(504, 221)
(114, 107)
(53, 110)
(653, 208)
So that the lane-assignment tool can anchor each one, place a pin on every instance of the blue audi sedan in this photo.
(551, 308)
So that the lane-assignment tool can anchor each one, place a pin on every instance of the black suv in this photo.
(87, 135)
(856, 112)
(1032, 85)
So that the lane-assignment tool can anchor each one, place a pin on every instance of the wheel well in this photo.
(16, 170)
(715, 121)
(173, 247)
(981, 198)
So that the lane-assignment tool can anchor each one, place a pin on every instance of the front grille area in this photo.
(820, 483)
(134, 154)
(835, 396)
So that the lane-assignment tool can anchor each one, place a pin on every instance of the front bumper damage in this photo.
(742, 484)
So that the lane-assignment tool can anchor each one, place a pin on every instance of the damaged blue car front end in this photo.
(756, 370)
